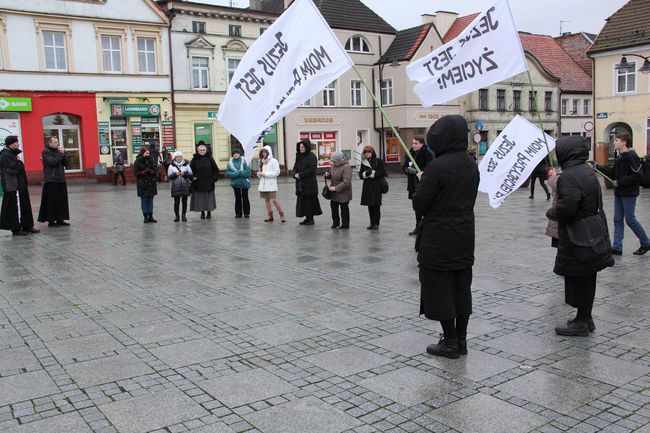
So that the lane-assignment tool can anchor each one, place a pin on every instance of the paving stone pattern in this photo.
(236, 325)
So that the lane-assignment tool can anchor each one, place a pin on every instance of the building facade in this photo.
(84, 71)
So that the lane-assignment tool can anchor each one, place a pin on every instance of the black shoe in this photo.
(573, 329)
(531, 197)
(33, 230)
(146, 218)
(344, 226)
(334, 226)
(247, 216)
(370, 227)
(237, 216)
(208, 216)
(63, 223)
(617, 252)
(184, 219)
(641, 251)
(177, 218)
(414, 232)
(590, 324)
(202, 215)
(151, 218)
(19, 233)
(374, 227)
(52, 224)
(309, 222)
(303, 222)
(462, 345)
(445, 347)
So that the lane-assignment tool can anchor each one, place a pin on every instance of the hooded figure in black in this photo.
(445, 197)
(372, 171)
(578, 196)
(16, 214)
(304, 172)
(422, 157)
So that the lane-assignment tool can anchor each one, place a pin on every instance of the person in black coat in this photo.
(54, 200)
(578, 196)
(304, 172)
(539, 172)
(445, 197)
(373, 174)
(205, 173)
(16, 214)
(146, 175)
(625, 194)
(422, 157)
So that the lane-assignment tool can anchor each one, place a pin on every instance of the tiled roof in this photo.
(342, 14)
(405, 44)
(628, 27)
(554, 59)
(458, 26)
(576, 45)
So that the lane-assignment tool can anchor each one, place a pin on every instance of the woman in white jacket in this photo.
(268, 187)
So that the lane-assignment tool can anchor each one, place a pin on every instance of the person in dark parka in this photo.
(206, 173)
(16, 214)
(372, 171)
(54, 200)
(578, 196)
(539, 172)
(422, 157)
(146, 176)
(304, 172)
(445, 197)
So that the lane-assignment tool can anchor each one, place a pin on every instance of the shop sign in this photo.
(212, 114)
(15, 104)
(427, 115)
(136, 136)
(150, 120)
(167, 127)
(392, 147)
(140, 110)
(602, 115)
(104, 138)
(118, 121)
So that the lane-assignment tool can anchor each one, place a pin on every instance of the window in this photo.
(516, 100)
(565, 106)
(307, 103)
(200, 72)
(65, 127)
(329, 99)
(626, 79)
(147, 55)
(55, 55)
(118, 137)
(532, 101)
(357, 44)
(198, 26)
(386, 90)
(232, 66)
(548, 101)
(501, 100)
(483, 99)
(234, 30)
(586, 107)
(111, 53)
(324, 144)
(574, 110)
(356, 93)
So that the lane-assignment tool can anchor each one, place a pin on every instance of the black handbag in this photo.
(590, 236)
(384, 185)
(327, 194)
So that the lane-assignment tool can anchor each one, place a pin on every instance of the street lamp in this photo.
(382, 142)
(624, 65)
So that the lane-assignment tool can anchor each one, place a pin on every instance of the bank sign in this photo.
(140, 110)
(15, 104)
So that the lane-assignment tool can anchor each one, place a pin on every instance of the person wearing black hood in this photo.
(16, 214)
(54, 200)
(372, 171)
(578, 196)
(304, 172)
(445, 197)
(205, 173)
(422, 157)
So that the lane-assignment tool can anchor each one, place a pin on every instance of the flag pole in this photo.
(539, 118)
(602, 174)
(383, 113)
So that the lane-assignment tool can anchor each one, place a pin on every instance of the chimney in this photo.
(256, 5)
(443, 21)
(428, 18)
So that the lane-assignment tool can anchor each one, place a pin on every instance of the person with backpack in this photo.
(626, 182)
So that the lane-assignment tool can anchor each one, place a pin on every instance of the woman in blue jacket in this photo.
(239, 173)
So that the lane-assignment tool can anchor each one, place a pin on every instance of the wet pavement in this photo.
(232, 325)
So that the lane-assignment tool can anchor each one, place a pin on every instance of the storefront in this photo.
(34, 117)
(127, 123)
(324, 144)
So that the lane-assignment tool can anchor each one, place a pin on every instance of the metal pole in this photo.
(539, 119)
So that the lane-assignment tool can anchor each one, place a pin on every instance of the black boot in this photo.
(208, 215)
(462, 344)
(445, 347)
(146, 218)
(151, 218)
(202, 215)
(590, 324)
(184, 219)
(177, 218)
(575, 328)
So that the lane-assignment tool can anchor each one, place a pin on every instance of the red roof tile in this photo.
(458, 26)
(551, 55)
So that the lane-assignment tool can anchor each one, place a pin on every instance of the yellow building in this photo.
(621, 56)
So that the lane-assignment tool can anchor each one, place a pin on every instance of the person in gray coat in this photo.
(54, 200)
(341, 189)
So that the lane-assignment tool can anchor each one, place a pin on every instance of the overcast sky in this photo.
(542, 17)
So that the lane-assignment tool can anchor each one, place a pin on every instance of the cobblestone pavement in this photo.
(232, 325)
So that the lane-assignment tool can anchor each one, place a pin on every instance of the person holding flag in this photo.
(445, 197)
(422, 156)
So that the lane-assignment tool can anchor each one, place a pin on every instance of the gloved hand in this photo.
(366, 174)
(411, 170)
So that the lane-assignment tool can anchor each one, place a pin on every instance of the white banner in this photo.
(291, 61)
(511, 159)
(486, 52)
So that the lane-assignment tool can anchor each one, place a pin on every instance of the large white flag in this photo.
(511, 159)
(486, 52)
(292, 60)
